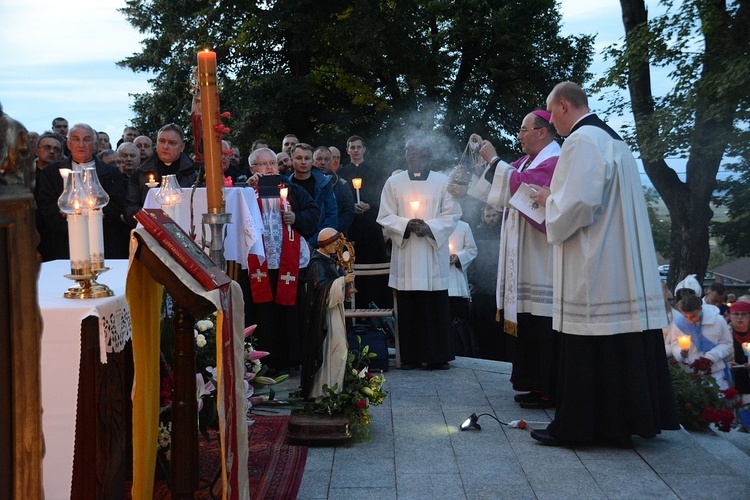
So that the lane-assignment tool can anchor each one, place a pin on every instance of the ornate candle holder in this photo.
(75, 202)
(169, 196)
(216, 223)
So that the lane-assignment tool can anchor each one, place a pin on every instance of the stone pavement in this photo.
(418, 451)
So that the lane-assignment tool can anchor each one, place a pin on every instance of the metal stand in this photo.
(87, 287)
(216, 222)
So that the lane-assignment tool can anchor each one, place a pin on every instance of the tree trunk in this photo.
(688, 202)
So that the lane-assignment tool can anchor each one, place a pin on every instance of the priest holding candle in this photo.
(419, 215)
(51, 222)
(169, 159)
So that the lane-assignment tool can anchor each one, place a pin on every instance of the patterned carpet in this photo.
(274, 466)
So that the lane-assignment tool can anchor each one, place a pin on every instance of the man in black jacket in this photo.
(169, 159)
(51, 222)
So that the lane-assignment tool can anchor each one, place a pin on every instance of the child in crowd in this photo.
(709, 333)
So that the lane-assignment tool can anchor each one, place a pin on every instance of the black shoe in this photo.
(545, 438)
(437, 366)
(407, 366)
(525, 397)
(537, 404)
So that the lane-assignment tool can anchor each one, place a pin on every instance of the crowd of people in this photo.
(574, 301)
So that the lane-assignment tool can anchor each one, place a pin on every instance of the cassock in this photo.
(420, 265)
(524, 277)
(324, 344)
(607, 296)
(366, 234)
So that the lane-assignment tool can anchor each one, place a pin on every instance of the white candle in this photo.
(284, 192)
(78, 240)
(684, 341)
(357, 183)
(746, 348)
(96, 239)
(173, 212)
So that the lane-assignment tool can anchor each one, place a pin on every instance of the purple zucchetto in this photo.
(542, 114)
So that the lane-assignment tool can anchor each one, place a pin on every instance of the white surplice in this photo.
(606, 279)
(462, 242)
(418, 263)
(524, 281)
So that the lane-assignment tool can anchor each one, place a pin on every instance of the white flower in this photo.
(200, 340)
(204, 325)
(213, 371)
(195, 332)
(202, 389)
(256, 365)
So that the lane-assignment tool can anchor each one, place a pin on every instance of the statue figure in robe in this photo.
(324, 345)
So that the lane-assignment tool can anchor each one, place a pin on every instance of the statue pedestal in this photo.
(317, 428)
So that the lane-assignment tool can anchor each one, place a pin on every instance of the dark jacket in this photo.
(183, 168)
(53, 227)
(345, 201)
(306, 211)
(326, 201)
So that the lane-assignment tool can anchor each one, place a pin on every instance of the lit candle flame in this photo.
(151, 178)
(284, 192)
(684, 341)
(414, 208)
(357, 182)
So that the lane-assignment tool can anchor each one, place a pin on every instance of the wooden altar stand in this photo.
(187, 307)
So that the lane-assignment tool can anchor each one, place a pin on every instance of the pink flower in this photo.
(249, 330)
(228, 182)
(258, 354)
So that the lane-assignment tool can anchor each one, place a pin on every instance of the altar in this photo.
(243, 235)
(84, 354)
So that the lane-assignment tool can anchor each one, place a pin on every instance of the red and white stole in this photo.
(286, 286)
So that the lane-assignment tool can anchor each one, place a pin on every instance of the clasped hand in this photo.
(418, 227)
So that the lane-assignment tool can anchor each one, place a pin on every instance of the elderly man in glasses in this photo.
(739, 316)
(524, 282)
(277, 294)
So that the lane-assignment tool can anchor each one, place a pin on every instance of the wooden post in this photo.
(184, 467)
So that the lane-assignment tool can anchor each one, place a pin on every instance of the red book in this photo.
(180, 246)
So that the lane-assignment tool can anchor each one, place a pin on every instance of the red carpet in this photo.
(274, 466)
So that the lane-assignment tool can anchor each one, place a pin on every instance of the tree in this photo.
(704, 44)
(659, 226)
(735, 195)
(326, 70)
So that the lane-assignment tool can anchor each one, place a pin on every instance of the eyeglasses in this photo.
(51, 148)
(739, 315)
(264, 164)
(525, 130)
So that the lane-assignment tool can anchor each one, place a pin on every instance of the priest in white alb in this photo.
(608, 301)
(419, 215)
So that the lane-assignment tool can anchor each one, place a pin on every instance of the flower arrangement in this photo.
(699, 400)
(205, 379)
(360, 390)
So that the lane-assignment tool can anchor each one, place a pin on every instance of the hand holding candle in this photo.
(284, 192)
(357, 183)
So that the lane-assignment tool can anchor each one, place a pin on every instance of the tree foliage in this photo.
(735, 196)
(659, 226)
(703, 45)
(326, 70)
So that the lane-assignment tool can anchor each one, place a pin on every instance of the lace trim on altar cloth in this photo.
(114, 331)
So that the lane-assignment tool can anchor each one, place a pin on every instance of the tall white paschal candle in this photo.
(78, 237)
(96, 239)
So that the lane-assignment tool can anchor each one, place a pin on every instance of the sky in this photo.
(59, 60)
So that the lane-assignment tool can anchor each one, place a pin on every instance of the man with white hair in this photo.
(277, 278)
(52, 224)
(130, 156)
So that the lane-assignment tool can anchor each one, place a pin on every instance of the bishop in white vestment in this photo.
(524, 281)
